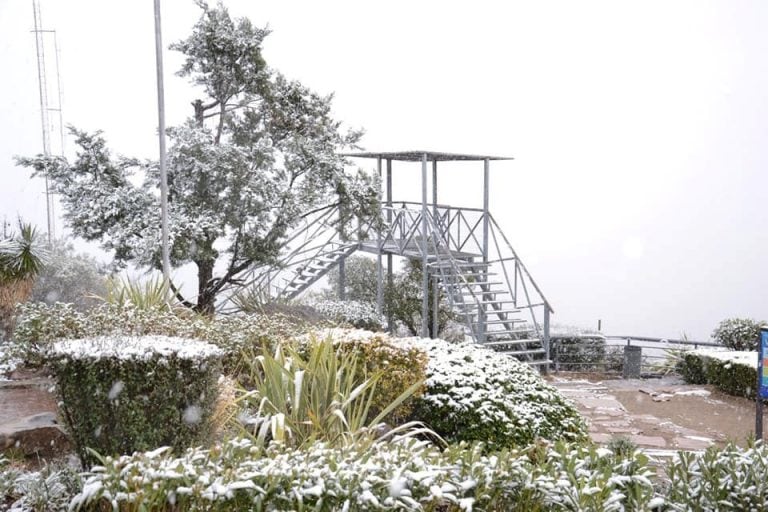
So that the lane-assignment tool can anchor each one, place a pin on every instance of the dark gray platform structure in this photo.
(463, 249)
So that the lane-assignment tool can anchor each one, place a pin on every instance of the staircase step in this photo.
(489, 312)
(507, 321)
(523, 352)
(509, 342)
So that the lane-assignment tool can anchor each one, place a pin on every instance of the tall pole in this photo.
(483, 316)
(161, 136)
(424, 250)
(43, 90)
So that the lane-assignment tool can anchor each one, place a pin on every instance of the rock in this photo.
(647, 391)
(39, 435)
(662, 397)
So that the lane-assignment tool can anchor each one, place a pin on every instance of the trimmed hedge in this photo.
(123, 394)
(40, 325)
(736, 377)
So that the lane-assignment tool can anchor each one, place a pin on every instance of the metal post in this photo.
(161, 137)
(43, 90)
(424, 249)
(342, 281)
(435, 308)
(379, 262)
(545, 368)
(390, 270)
(482, 316)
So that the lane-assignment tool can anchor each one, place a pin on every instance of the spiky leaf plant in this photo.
(21, 259)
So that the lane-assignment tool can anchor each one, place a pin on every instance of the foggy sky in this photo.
(638, 128)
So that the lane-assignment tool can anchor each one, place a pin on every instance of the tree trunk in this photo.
(206, 299)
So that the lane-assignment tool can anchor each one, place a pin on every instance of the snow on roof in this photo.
(135, 347)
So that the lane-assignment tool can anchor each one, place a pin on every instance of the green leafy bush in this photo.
(732, 478)
(738, 333)
(120, 394)
(732, 372)
(476, 394)
(404, 474)
(691, 368)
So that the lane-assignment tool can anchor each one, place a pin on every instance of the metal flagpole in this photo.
(161, 136)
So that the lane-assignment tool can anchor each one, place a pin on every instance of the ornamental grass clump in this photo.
(324, 395)
(120, 394)
(398, 367)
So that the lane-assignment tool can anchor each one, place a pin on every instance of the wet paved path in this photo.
(656, 414)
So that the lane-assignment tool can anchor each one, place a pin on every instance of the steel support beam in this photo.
(390, 263)
(483, 316)
(424, 249)
(379, 257)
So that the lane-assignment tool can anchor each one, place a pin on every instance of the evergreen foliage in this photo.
(259, 154)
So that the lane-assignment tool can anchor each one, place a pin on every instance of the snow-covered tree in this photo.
(259, 154)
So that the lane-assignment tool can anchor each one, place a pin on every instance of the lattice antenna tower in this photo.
(51, 120)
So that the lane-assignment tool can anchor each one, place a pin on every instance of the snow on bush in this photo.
(39, 325)
(362, 315)
(125, 393)
(734, 372)
(404, 474)
(476, 394)
(732, 478)
(738, 333)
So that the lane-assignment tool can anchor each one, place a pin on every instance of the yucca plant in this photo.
(21, 259)
(298, 400)
(146, 294)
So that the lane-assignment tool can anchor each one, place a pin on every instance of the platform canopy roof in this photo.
(432, 156)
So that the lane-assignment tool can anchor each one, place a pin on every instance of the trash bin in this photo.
(633, 357)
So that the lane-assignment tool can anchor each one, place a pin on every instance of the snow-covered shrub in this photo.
(578, 352)
(39, 325)
(400, 475)
(48, 490)
(733, 372)
(361, 315)
(121, 393)
(70, 277)
(476, 394)
(399, 367)
(738, 333)
(732, 478)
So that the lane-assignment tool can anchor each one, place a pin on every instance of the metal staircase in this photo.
(462, 250)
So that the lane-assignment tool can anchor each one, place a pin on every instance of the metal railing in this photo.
(658, 355)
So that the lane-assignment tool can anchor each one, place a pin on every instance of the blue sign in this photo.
(762, 364)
